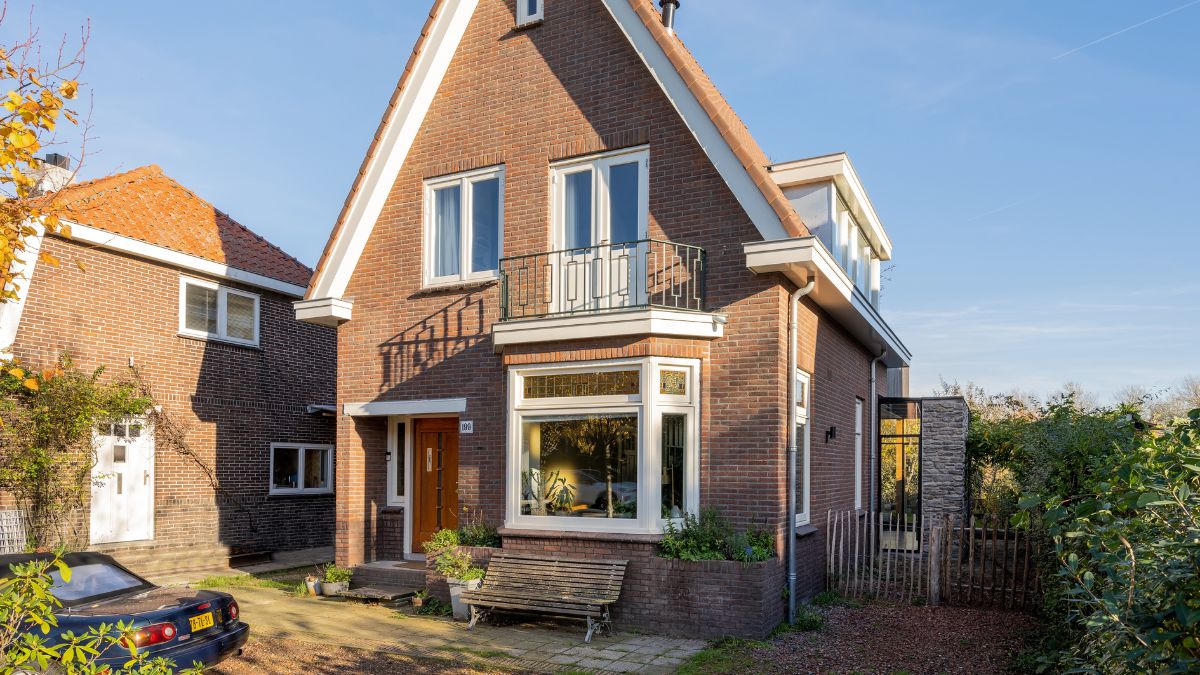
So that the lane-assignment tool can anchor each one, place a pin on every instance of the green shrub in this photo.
(709, 536)
(456, 564)
(478, 533)
(1127, 545)
(332, 574)
(442, 540)
(434, 607)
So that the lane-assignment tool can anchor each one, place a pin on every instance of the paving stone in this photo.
(564, 659)
(666, 661)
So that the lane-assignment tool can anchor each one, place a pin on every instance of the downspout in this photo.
(874, 430)
(793, 358)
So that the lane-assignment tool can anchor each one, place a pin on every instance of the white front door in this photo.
(123, 483)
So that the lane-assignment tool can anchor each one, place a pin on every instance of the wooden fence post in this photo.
(935, 567)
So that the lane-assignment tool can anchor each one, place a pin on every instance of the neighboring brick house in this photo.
(154, 277)
(561, 226)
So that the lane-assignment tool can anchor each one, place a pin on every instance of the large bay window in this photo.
(606, 446)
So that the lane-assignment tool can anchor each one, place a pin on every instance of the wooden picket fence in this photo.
(951, 560)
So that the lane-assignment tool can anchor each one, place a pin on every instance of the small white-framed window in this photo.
(399, 450)
(600, 447)
(464, 226)
(301, 468)
(859, 406)
(211, 311)
(803, 466)
(529, 11)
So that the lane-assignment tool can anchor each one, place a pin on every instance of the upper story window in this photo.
(209, 310)
(603, 199)
(854, 251)
(464, 226)
(529, 11)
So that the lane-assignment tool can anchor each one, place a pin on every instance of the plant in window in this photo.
(548, 491)
(602, 435)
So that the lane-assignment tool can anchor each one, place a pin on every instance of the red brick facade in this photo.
(525, 98)
(233, 400)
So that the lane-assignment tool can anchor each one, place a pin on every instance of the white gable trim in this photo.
(751, 198)
(10, 312)
(116, 242)
(399, 132)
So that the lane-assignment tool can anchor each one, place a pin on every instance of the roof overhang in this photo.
(837, 168)
(429, 406)
(324, 311)
(804, 259)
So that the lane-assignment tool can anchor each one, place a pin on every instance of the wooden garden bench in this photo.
(563, 587)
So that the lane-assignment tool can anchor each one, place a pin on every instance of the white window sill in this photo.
(300, 492)
(458, 284)
(612, 323)
(201, 337)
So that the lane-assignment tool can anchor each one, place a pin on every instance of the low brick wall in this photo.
(671, 597)
(436, 583)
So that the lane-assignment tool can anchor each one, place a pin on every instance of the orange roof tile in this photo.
(147, 205)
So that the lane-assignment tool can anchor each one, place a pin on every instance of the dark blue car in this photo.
(182, 624)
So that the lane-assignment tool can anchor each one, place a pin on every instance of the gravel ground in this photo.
(263, 656)
(894, 639)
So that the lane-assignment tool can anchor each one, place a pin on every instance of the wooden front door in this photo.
(435, 478)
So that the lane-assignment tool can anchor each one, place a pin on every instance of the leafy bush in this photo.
(442, 540)
(709, 536)
(27, 608)
(332, 574)
(1128, 547)
(475, 532)
(456, 564)
(434, 607)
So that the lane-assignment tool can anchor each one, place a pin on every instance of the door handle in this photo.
(428, 460)
(145, 477)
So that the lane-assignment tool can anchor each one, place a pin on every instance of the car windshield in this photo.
(91, 580)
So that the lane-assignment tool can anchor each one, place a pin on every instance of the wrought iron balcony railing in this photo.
(631, 275)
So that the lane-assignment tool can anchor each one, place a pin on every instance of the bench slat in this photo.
(543, 559)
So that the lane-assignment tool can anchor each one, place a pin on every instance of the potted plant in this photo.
(335, 580)
(461, 574)
(313, 584)
(418, 598)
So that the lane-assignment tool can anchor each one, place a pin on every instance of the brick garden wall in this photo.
(234, 400)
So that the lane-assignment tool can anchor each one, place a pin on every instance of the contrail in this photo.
(1125, 30)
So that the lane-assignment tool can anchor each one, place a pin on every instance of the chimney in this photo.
(53, 174)
(669, 7)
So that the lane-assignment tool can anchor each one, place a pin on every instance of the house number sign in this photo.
(466, 427)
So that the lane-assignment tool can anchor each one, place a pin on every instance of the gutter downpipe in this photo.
(793, 359)
(874, 430)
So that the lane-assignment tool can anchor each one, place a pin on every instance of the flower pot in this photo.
(457, 586)
(330, 588)
(418, 602)
(314, 586)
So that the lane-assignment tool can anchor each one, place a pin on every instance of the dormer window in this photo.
(529, 11)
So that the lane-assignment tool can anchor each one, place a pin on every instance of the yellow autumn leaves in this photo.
(35, 103)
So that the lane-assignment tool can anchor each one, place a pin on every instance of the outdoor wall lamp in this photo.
(831, 434)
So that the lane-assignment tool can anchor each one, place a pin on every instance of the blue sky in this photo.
(1033, 169)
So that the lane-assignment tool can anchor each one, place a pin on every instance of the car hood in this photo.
(144, 601)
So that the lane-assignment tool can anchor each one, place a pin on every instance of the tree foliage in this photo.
(47, 422)
(35, 105)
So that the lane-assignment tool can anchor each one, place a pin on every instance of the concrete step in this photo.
(404, 574)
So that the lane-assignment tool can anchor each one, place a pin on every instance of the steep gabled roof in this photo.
(146, 205)
(716, 127)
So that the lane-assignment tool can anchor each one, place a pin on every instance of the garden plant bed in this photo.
(882, 639)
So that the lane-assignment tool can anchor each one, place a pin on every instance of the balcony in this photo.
(640, 287)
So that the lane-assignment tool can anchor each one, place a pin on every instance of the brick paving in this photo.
(538, 648)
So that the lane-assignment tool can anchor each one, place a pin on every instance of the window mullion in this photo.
(465, 226)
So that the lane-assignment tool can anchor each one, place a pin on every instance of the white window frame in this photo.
(525, 17)
(464, 182)
(859, 410)
(301, 447)
(399, 450)
(803, 384)
(648, 406)
(600, 165)
(223, 293)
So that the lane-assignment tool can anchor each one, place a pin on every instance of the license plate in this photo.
(201, 621)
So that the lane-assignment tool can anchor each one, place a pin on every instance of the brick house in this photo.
(154, 277)
(560, 223)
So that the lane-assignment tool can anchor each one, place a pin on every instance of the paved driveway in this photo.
(543, 648)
